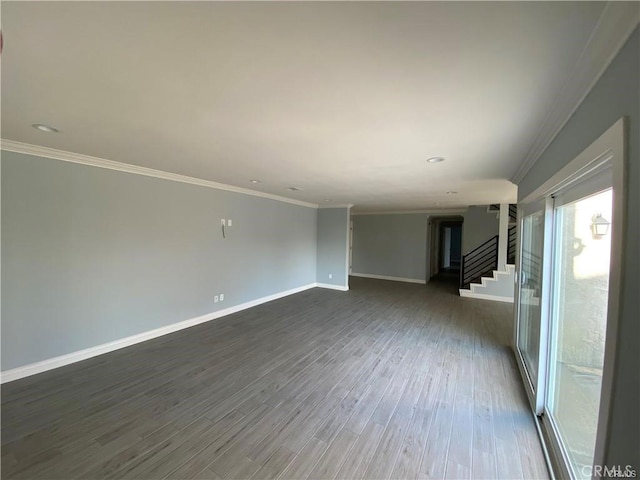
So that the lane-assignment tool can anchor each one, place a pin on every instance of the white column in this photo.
(503, 239)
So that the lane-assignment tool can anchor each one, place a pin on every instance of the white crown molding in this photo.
(339, 205)
(444, 211)
(616, 23)
(39, 151)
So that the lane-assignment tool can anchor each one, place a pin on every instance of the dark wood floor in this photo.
(388, 380)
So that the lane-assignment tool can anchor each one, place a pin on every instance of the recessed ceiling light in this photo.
(435, 159)
(45, 128)
(255, 181)
(294, 189)
(327, 199)
(452, 193)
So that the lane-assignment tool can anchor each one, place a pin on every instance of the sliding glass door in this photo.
(529, 306)
(562, 313)
(568, 295)
(578, 320)
(563, 291)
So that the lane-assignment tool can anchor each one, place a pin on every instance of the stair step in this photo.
(490, 275)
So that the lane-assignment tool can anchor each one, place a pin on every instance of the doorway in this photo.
(451, 247)
(444, 246)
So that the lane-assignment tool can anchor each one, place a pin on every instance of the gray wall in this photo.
(478, 227)
(333, 254)
(390, 245)
(92, 255)
(616, 94)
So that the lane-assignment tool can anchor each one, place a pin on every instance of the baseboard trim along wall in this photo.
(394, 279)
(61, 361)
(484, 296)
(342, 288)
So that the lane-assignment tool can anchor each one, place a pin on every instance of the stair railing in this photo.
(479, 261)
(511, 245)
(513, 212)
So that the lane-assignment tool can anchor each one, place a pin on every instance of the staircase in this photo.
(497, 286)
(479, 274)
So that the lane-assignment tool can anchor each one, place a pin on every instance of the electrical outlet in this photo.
(223, 222)
(222, 297)
(331, 275)
(215, 299)
(229, 223)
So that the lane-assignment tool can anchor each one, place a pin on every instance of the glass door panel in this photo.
(529, 298)
(582, 246)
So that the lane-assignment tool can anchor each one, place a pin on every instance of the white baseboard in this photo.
(342, 288)
(51, 363)
(483, 296)
(394, 279)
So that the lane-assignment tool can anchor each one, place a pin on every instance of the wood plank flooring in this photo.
(388, 380)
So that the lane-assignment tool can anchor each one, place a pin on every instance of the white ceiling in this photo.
(344, 100)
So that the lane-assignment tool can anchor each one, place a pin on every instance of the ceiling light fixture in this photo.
(255, 181)
(452, 193)
(435, 159)
(45, 128)
(294, 189)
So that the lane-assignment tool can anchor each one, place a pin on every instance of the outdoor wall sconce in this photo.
(599, 226)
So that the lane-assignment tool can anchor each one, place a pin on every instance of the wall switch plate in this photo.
(222, 297)
(223, 222)
(331, 275)
(215, 299)
(229, 223)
